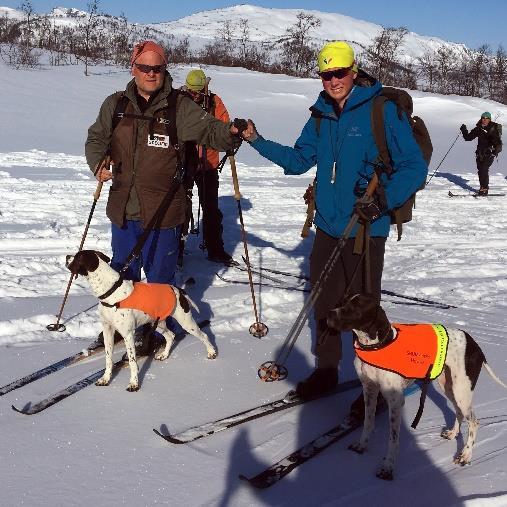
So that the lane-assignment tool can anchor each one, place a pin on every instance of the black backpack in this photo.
(404, 105)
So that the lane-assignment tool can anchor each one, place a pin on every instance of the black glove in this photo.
(241, 124)
(236, 143)
(464, 129)
(368, 208)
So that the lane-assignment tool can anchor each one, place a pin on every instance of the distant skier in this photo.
(489, 145)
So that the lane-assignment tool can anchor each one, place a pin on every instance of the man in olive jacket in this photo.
(145, 162)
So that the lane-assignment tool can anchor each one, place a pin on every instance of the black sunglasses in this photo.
(146, 69)
(327, 75)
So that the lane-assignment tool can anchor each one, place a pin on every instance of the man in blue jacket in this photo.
(342, 146)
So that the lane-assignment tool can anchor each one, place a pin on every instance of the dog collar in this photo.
(115, 286)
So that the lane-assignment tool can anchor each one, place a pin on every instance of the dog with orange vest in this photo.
(127, 305)
(390, 357)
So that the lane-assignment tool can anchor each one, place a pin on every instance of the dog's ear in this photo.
(104, 257)
(84, 262)
(380, 325)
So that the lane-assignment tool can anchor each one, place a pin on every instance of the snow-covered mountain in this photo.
(266, 26)
(269, 25)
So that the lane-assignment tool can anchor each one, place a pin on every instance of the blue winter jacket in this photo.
(341, 151)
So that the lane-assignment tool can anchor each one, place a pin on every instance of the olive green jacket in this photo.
(143, 173)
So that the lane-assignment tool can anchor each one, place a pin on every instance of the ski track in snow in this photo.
(454, 251)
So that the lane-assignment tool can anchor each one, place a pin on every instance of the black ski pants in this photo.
(328, 348)
(484, 162)
(207, 186)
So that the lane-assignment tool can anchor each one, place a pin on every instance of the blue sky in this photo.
(468, 21)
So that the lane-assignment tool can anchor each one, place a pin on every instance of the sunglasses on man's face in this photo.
(146, 69)
(327, 75)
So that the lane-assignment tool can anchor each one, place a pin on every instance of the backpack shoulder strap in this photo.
(173, 101)
(120, 108)
(378, 130)
(318, 118)
(212, 104)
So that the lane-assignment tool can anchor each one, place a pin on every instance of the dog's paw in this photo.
(357, 447)
(161, 356)
(102, 382)
(385, 472)
(132, 388)
(463, 458)
(212, 354)
(448, 434)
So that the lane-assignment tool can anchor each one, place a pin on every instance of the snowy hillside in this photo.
(266, 26)
(97, 447)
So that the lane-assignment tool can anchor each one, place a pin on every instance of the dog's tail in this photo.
(196, 308)
(493, 375)
(184, 294)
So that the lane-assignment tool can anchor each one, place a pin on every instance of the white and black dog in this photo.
(111, 289)
(362, 314)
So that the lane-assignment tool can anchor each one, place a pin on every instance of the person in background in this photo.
(489, 145)
(207, 177)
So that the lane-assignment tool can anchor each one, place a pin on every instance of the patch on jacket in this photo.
(155, 299)
(158, 141)
(416, 349)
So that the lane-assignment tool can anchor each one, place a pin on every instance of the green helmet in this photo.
(196, 80)
(486, 114)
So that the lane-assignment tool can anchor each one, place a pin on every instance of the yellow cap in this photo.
(336, 54)
(196, 80)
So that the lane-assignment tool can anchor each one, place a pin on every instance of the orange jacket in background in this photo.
(221, 113)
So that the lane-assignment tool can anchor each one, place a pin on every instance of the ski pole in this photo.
(57, 326)
(276, 370)
(438, 166)
(257, 329)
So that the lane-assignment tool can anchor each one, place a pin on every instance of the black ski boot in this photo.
(356, 414)
(99, 342)
(222, 258)
(322, 381)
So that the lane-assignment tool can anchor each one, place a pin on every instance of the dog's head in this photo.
(84, 262)
(360, 312)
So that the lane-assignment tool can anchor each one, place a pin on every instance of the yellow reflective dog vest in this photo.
(155, 299)
(418, 351)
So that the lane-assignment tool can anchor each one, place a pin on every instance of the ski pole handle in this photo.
(310, 213)
(96, 194)
(235, 181)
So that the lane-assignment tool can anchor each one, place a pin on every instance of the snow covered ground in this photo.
(97, 447)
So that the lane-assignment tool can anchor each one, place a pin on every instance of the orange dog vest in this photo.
(155, 299)
(416, 349)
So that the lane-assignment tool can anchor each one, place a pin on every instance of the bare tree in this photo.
(88, 33)
(381, 57)
(298, 53)
(244, 37)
